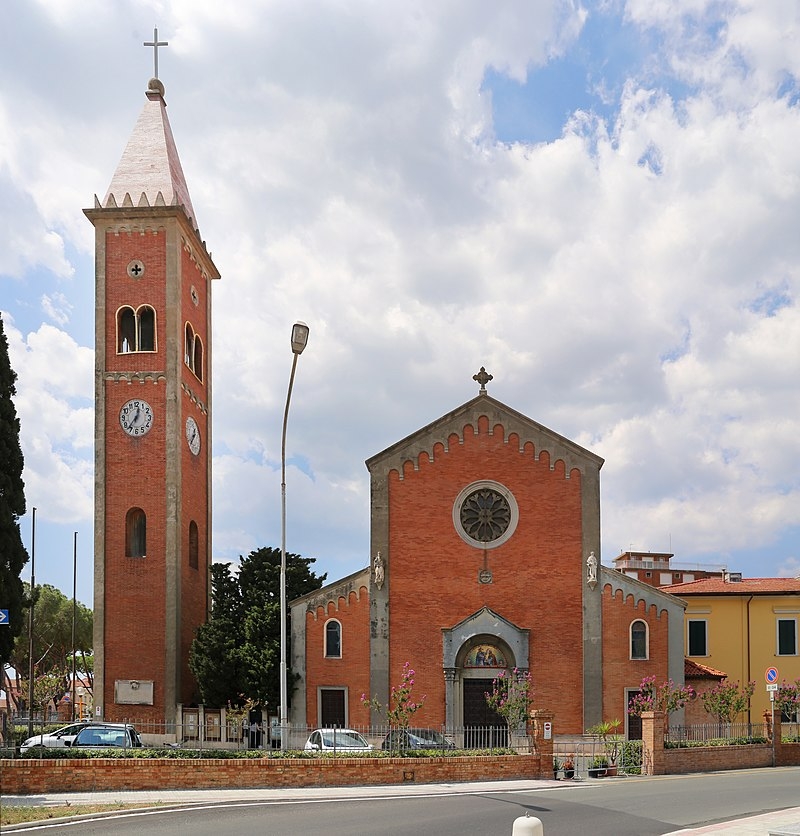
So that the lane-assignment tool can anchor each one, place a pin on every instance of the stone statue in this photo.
(591, 569)
(378, 571)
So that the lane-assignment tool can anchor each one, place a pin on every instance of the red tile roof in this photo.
(746, 586)
(694, 670)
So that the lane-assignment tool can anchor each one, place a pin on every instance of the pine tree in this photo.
(12, 506)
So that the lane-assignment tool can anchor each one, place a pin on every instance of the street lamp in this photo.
(299, 340)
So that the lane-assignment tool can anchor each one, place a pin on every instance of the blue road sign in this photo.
(3, 616)
(771, 675)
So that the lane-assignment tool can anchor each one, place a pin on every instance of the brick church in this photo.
(485, 544)
(485, 525)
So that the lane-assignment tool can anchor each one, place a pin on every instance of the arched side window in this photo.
(194, 544)
(146, 317)
(193, 351)
(126, 330)
(333, 639)
(198, 357)
(639, 643)
(188, 352)
(136, 330)
(135, 533)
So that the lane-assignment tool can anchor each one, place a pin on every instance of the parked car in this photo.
(399, 740)
(337, 740)
(103, 735)
(60, 737)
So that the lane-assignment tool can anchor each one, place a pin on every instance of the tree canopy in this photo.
(12, 506)
(52, 644)
(235, 656)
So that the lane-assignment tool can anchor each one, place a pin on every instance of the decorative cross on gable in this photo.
(482, 377)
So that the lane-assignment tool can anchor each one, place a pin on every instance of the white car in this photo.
(60, 737)
(337, 740)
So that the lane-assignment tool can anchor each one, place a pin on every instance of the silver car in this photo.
(102, 735)
(60, 737)
(337, 740)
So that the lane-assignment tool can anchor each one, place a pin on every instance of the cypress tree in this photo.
(12, 506)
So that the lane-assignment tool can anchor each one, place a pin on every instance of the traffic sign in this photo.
(3, 616)
(772, 686)
(771, 675)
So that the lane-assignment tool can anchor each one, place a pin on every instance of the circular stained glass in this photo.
(485, 514)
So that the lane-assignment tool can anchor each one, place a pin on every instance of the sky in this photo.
(597, 201)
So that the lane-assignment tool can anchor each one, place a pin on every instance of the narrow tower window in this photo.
(198, 357)
(135, 533)
(147, 328)
(194, 544)
(126, 330)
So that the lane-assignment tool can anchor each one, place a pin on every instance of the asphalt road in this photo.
(613, 807)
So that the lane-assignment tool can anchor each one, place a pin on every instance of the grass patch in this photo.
(13, 814)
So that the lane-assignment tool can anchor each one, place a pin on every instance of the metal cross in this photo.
(155, 43)
(482, 377)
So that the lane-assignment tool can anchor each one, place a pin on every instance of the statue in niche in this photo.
(378, 571)
(591, 569)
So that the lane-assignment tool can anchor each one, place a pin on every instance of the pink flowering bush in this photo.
(726, 700)
(401, 707)
(667, 697)
(787, 698)
(511, 697)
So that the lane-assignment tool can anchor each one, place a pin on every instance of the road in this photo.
(612, 807)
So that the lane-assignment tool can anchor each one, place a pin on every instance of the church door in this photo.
(484, 728)
(332, 708)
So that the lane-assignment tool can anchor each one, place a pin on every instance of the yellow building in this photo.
(743, 627)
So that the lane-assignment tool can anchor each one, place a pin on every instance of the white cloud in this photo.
(632, 285)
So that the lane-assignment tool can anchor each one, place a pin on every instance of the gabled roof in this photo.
(746, 586)
(527, 429)
(150, 172)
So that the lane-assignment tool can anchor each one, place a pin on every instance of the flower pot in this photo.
(598, 771)
(569, 773)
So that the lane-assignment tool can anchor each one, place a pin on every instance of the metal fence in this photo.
(216, 729)
(718, 733)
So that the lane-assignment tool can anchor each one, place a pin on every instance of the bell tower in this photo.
(152, 539)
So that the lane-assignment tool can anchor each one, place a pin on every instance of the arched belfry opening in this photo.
(474, 652)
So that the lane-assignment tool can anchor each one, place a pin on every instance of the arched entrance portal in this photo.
(481, 661)
(475, 651)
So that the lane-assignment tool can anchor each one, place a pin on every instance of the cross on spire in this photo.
(482, 377)
(155, 43)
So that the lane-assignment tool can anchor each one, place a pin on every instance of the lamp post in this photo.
(299, 341)
(30, 624)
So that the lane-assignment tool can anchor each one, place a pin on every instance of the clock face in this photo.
(136, 417)
(193, 435)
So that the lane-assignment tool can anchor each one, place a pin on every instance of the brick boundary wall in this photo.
(656, 760)
(26, 776)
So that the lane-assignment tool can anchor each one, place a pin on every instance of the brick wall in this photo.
(351, 671)
(620, 672)
(537, 573)
(29, 777)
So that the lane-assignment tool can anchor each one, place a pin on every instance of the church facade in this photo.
(485, 547)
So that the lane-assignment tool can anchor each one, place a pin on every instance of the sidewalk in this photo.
(760, 825)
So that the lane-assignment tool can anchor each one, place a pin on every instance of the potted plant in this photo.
(607, 733)
(556, 766)
(569, 768)
(598, 767)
